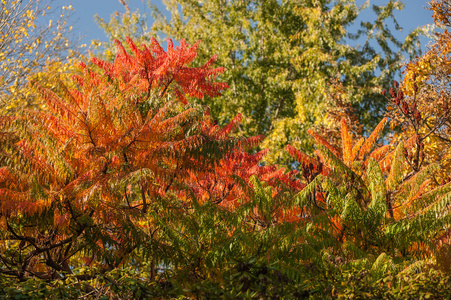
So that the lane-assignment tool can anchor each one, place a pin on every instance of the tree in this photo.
(33, 37)
(376, 200)
(79, 175)
(123, 188)
(121, 169)
(423, 108)
(331, 69)
(282, 59)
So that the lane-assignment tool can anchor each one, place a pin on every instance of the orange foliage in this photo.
(101, 152)
(154, 68)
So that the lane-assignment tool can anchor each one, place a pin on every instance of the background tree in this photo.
(335, 76)
(426, 93)
(34, 39)
(282, 59)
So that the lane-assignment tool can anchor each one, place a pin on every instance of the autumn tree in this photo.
(371, 198)
(122, 187)
(34, 38)
(423, 107)
(125, 186)
(78, 176)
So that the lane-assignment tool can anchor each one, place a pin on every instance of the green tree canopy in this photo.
(283, 58)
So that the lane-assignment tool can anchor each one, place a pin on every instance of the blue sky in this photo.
(413, 15)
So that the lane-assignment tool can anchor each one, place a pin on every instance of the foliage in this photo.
(329, 67)
(251, 278)
(282, 59)
(425, 92)
(125, 186)
(34, 40)
(373, 201)
(78, 176)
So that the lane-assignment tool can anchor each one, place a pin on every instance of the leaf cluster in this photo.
(126, 187)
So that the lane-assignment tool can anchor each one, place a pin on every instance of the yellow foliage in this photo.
(28, 47)
(426, 83)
